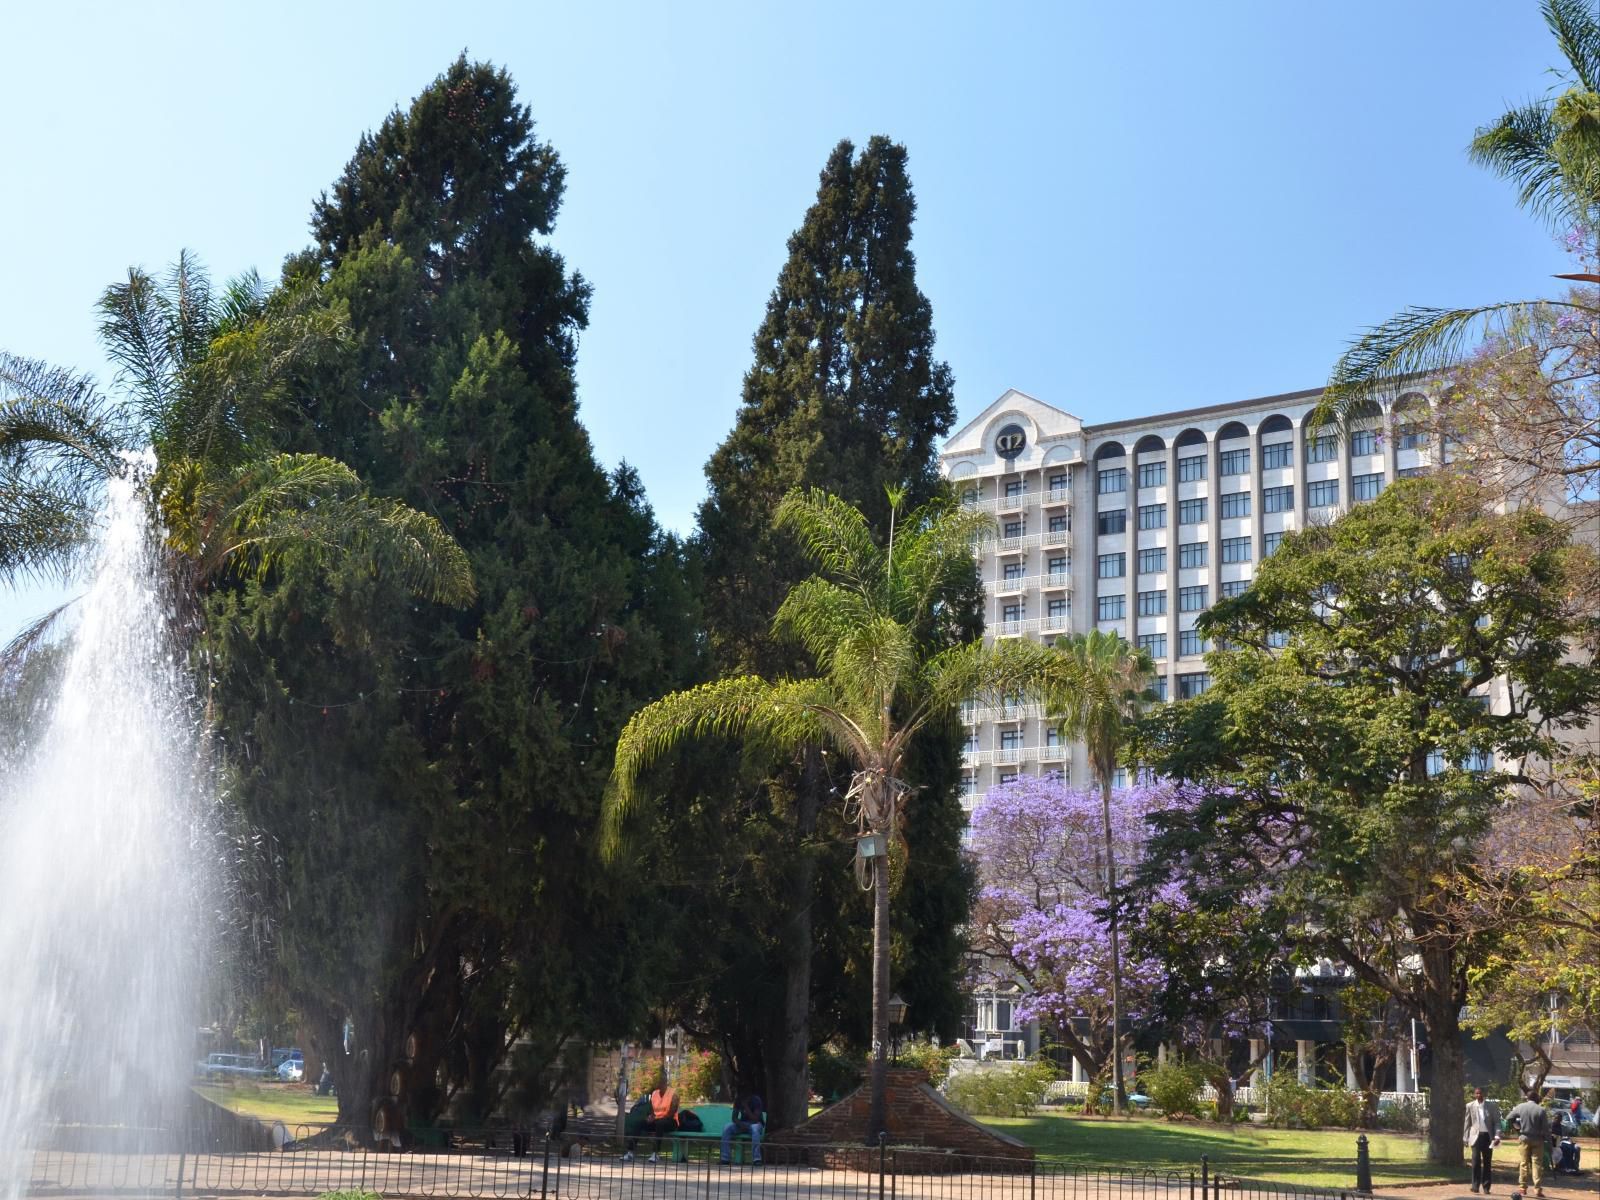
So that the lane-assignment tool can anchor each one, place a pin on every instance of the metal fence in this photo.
(465, 1165)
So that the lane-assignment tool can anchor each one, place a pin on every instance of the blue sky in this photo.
(1122, 209)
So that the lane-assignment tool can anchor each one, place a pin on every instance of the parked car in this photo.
(231, 1066)
(292, 1070)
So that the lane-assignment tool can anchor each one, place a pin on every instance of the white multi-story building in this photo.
(1137, 526)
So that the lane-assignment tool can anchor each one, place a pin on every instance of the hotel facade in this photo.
(1138, 526)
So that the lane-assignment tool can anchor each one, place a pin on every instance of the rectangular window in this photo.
(1152, 516)
(1192, 554)
(1191, 468)
(1060, 523)
(1152, 474)
(1277, 639)
(1056, 608)
(1366, 487)
(1411, 472)
(1011, 613)
(1015, 487)
(1236, 550)
(969, 784)
(1153, 604)
(1234, 504)
(1112, 608)
(1013, 529)
(1011, 739)
(1114, 479)
(1058, 565)
(1052, 736)
(1152, 560)
(1277, 454)
(1234, 587)
(1161, 688)
(1363, 442)
(1190, 642)
(1155, 644)
(1119, 779)
(1190, 686)
(1235, 462)
(1008, 776)
(1413, 437)
(1271, 541)
(1112, 566)
(1322, 493)
(1058, 482)
(1277, 499)
(1192, 599)
(1113, 521)
(1322, 448)
(1192, 512)
(1015, 570)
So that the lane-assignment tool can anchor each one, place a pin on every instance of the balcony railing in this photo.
(1004, 629)
(1054, 580)
(1057, 495)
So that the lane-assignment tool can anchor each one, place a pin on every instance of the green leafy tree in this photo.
(1345, 745)
(845, 393)
(1110, 685)
(430, 780)
(878, 683)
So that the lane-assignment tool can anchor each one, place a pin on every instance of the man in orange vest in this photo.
(663, 1117)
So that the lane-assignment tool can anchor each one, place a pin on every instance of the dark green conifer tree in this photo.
(845, 394)
(431, 778)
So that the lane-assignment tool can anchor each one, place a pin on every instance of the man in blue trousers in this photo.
(749, 1116)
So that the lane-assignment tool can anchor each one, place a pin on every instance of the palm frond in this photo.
(191, 311)
(1520, 147)
(833, 532)
(1578, 34)
(1413, 345)
(782, 715)
(36, 636)
(1110, 685)
(994, 674)
(137, 332)
(821, 614)
(933, 555)
(43, 533)
(60, 422)
(870, 666)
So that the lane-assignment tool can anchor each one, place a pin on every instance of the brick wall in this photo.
(917, 1115)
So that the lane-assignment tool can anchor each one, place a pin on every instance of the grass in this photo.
(291, 1103)
(1309, 1158)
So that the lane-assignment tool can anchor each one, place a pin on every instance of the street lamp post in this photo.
(897, 1019)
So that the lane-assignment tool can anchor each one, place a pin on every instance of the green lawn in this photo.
(291, 1103)
(1325, 1158)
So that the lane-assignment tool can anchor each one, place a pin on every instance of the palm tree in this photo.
(1549, 148)
(200, 378)
(1110, 685)
(867, 624)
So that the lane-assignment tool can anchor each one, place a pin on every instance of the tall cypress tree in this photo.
(432, 778)
(846, 394)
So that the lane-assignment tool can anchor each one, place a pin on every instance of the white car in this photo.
(292, 1070)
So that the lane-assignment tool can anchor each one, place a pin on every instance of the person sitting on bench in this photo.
(748, 1116)
(663, 1117)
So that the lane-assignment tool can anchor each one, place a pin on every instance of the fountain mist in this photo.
(101, 869)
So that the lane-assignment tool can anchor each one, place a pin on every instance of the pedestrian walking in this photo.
(1481, 1134)
(1533, 1131)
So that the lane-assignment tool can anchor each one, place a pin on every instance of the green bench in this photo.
(715, 1118)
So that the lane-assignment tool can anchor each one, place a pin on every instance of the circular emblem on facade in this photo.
(1009, 442)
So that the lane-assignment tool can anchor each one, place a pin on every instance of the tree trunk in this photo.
(1446, 1096)
(877, 1116)
(1118, 1096)
(789, 1084)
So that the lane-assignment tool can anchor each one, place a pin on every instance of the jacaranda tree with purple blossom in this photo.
(1043, 919)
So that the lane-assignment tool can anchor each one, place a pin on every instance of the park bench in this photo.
(715, 1118)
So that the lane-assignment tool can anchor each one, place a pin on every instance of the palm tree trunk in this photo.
(877, 1117)
(1117, 1092)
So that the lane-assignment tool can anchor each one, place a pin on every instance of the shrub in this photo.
(699, 1077)
(1403, 1115)
(833, 1074)
(1002, 1092)
(935, 1060)
(1292, 1105)
(1174, 1088)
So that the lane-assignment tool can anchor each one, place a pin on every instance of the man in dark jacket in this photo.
(749, 1116)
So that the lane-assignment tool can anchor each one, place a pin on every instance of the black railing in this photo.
(468, 1165)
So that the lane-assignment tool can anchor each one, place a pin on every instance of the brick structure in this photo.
(917, 1115)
